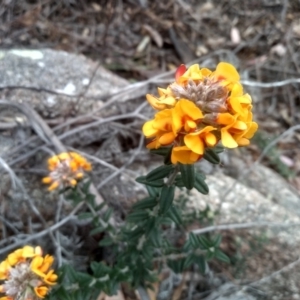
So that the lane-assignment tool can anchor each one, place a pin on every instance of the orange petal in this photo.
(183, 155)
(236, 105)
(239, 125)
(154, 102)
(47, 180)
(53, 186)
(210, 139)
(148, 129)
(205, 72)
(190, 125)
(50, 278)
(251, 131)
(225, 119)
(38, 250)
(28, 251)
(227, 140)
(243, 142)
(167, 138)
(153, 145)
(226, 71)
(190, 109)
(41, 291)
(236, 90)
(161, 91)
(194, 143)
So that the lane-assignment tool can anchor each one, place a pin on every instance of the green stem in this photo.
(172, 177)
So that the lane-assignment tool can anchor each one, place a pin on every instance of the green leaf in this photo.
(107, 214)
(217, 240)
(177, 265)
(155, 238)
(160, 172)
(152, 191)
(201, 262)
(90, 198)
(189, 260)
(194, 240)
(221, 256)
(187, 245)
(155, 183)
(211, 156)
(83, 278)
(97, 230)
(204, 242)
(137, 216)
(85, 187)
(179, 181)
(166, 198)
(163, 151)
(134, 234)
(71, 273)
(100, 206)
(167, 160)
(150, 225)
(146, 203)
(218, 149)
(107, 241)
(187, 175)
(85, 215)
(210, 254)
(200, 185)
(174, 215)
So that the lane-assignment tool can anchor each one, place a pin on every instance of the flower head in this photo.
(65, 169)
(26, 274)
(199, 109)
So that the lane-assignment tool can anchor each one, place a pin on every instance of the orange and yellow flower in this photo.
(198, 110)
(66, 169)
(26, 274)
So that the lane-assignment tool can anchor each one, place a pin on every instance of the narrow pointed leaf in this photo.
(179, 182)
(194, 240)
(155, 183)
(146, 203)
(163, 151)
(201, 262)
(107, 214)
(203, 242)
(222, 256)
(174, 215)
(85, 215)
(97, 230)
(167, 160)
(152, 191)
(177, 265)
(166, 198)
(188, 261)
(218, 149)
(211, 156)
(136, 216)
(200, 185)
(187, 175)
(160, 172)
(217, 240)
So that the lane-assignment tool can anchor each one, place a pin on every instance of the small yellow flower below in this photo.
(65, 169)
(26, 274)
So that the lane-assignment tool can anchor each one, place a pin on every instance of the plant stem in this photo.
(172, 177)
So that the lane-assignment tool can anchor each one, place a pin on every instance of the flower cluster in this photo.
(26, 274)
(201, 108)
(65, 169)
